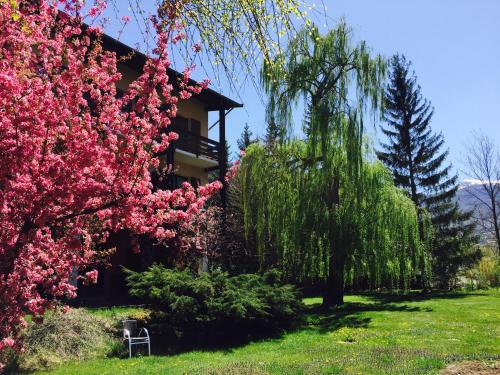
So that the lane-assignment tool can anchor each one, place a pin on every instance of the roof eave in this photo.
(213, 100)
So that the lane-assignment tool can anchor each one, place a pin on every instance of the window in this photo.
(195, 182)
(179, 180)
(195, 127)
(181, 123)
(187, 124)
(172, 181)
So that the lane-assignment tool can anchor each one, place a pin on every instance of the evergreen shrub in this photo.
(214, 306)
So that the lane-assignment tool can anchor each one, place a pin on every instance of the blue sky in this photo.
(455, 49)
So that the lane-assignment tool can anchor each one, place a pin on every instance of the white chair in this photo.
(133, 337)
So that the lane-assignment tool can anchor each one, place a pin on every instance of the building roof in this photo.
(212, 99)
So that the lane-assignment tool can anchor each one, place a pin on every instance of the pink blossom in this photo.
(178, 37)
(8, 342)
(98, 8)
(91, 276)
(184, 94)
(75, 166)
(231, 172)
(94, 12)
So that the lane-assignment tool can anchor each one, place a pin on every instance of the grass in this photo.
(116, 313)
(372, 334)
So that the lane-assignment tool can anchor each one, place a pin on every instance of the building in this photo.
(193, 156)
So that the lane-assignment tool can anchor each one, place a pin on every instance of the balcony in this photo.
(195, 149)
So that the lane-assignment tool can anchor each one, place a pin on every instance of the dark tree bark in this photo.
(334, 288)
(334, 285)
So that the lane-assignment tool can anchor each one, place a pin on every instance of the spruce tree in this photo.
(245, 139)
(413, 152)
(273, 135)
(228, 154)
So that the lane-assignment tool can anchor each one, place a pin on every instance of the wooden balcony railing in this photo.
(196, 144)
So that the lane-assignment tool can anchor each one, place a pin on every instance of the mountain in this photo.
(469, 195)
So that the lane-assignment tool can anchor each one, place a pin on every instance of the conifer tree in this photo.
(414, 154)
(272, 134)
(228, 153)
(245, 139)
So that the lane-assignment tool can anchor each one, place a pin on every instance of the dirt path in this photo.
(472, 368)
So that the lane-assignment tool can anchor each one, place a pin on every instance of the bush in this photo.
(213, 306)
(486, 274)
(74, 335)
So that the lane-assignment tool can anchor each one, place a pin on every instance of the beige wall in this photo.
(191, 108)
(195, 109)
(186, 170)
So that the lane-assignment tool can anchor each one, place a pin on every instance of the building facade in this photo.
(192, 158)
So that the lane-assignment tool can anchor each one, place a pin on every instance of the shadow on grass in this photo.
(327, 320)
(386, 297)
(314, 318)
(349, 315)
(317, 318)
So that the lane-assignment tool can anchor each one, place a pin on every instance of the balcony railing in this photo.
(196, 144)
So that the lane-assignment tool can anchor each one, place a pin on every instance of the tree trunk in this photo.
(413, 185)
(333, 294)
(496, 226)
(497, 235)
(334, 286)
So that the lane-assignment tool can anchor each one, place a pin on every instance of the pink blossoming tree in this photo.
(75, 158)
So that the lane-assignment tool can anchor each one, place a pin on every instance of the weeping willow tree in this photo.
(371, 234)
(330, 211)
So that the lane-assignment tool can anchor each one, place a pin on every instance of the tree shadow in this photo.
(349, 315)
(314, 318)
(225, 340)
(386, 297)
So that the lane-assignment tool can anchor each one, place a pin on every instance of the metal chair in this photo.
(133, 337)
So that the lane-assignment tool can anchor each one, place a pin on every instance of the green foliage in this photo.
(273, 135)
(377, 223)
(236, 34)
(321, 69)
(62, 337)
(486, 272)
(213, 305)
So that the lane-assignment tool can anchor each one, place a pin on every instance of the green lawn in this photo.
(373, 334)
